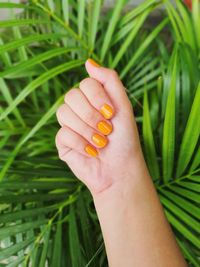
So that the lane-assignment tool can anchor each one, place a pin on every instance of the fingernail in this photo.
(104, 127)
(107, 111)
(95, 64)
(99, 140)
(91, 151)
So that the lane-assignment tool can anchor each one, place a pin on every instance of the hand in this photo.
(98, 137)
(113, 168)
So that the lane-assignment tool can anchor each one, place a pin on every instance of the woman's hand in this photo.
(135, 230)
(98, 137)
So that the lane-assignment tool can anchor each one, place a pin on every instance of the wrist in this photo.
(130, 182)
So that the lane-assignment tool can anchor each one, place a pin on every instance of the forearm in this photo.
(134, 226)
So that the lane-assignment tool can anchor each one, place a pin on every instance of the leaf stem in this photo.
(70, 200)
(178, 179)
(70, 31)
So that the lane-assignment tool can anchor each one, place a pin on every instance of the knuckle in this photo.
(86, 81)
(113, 73)
(89, 82)
(59, 111)
(60, 154)
(60, 143)
(58, 136)
(70, 94)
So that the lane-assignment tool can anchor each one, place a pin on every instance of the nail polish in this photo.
(107, 111)
(104, 127)
(91, 151)
(99, 140)
(95, 64)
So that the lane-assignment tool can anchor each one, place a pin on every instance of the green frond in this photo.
(47, 217)
(149, 145)
(191, 135)
(111, 28)
(168, 146)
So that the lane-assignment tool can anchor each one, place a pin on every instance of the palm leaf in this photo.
(39, 81)
(169, 125)
(21, 22)
(143, 47)
(26, 40)
(47, 216)
(113, 21)
(94, 9)
(76, 254)
(149, 145)
(190, 137)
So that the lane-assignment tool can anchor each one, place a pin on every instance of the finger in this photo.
(78, 102)
(97, 96)
(74, 149)
(67, 140)
(68, 118)
(111, 82)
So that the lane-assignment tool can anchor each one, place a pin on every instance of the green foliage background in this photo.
(46, 215)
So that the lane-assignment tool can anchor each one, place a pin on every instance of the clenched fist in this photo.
(98, 137)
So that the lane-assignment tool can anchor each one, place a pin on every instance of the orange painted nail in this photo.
(91, 150)
(107, 111)
(104, 127)
(95, 64)
(99, 140)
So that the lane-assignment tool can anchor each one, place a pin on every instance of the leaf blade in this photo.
(190, 137)
(149, 145)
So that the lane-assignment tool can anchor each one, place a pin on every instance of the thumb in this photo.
(110, 81)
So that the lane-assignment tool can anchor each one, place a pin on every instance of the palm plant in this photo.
(47, 217)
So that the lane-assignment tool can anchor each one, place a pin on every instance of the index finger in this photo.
(110, 81)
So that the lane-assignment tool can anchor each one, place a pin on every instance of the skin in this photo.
(134, 226)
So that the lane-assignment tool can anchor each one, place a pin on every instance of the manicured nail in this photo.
(104, 127)
(99, 140)
(93, 63)
(107, 111)
(91, 151)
